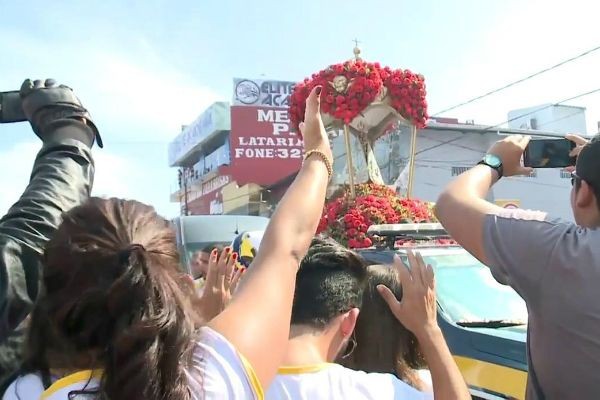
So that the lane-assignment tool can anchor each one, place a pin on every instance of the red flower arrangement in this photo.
(348, 220)
(350, 87)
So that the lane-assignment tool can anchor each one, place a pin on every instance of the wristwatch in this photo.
(494, 162)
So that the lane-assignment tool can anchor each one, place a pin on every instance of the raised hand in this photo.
(580, 142)
(48, 106)
(510, 150)
(417, 310)
(313, 130)
(222, 279)
(262, 335)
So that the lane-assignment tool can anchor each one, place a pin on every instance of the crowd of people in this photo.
(95, 305)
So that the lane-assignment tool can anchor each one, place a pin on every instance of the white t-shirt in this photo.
(30, 387)
(425, 376)
(335, 382)
(218, 371)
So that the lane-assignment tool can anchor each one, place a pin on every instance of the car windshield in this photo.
(467, 291)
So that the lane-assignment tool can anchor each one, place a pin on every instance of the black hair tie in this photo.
(125, 254)
(136, 247)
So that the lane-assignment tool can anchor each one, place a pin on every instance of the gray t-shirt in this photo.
(555, 266)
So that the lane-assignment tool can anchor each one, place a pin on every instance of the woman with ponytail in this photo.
(118, 320)
(115, 319)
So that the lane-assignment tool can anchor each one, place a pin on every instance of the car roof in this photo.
(385, 255)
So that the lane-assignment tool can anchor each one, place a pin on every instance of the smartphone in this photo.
(11, 109)
(549, 153)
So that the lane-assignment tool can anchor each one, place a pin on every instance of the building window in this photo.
(459, 170)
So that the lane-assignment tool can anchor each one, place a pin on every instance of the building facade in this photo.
(549, 117)
(240, 158)
(231, 153)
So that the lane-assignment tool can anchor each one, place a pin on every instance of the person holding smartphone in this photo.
(553, 264)
(61, 178)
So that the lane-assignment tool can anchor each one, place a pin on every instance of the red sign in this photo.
(263, 150)
(204, 205)
(214, 184)
(208, 200)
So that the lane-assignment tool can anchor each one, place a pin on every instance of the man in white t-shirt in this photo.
(329, 287)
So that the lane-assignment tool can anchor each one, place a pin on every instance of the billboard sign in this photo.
(214, 184)
(263, 149)
(207, 200)
(261, 92)
(214, 119)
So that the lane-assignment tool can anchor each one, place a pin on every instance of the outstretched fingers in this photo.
(222, 267)
(213, 269)
(230, 270)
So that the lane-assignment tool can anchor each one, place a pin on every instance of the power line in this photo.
(440, 144)
(560, 119)
(542, 108)
(585, 53)
(450, 142)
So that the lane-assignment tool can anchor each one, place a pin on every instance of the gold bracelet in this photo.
(323, 158)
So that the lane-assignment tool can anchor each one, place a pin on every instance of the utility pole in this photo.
(185, 193)
(185, 174)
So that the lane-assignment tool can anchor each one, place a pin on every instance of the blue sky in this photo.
(144, 68)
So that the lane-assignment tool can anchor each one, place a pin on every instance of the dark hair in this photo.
(383, 344)
(209, 248)
(588, 167)
(330, 282)
(115, 299)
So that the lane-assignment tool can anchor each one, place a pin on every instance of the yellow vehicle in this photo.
(484, 322)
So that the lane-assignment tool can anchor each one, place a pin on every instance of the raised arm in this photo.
(61, 179)
(519, 246)
(257, 321)
(417, 311)
(462, 207)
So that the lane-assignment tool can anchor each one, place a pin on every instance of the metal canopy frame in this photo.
(417, 232)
